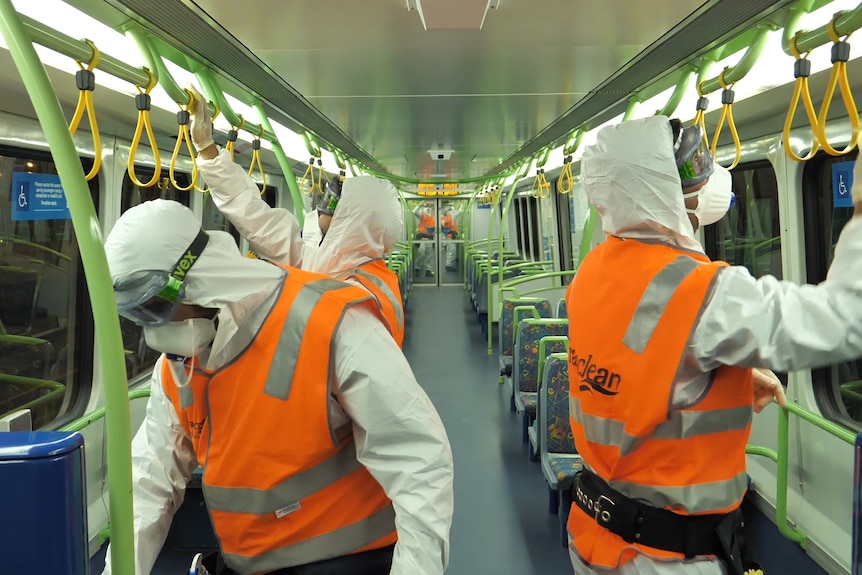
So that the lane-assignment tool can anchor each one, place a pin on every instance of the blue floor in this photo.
(501, 524)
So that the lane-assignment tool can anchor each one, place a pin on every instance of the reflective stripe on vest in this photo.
(284, 361)
(632, 309)
(355, 536)
(655, 300)
(394, 301)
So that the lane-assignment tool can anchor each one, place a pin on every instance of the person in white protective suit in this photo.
(239, 358)
(347, 243)
(654, 184)
(425, 232)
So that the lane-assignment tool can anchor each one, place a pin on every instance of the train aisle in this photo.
(501, 524)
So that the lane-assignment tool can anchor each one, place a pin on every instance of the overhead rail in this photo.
(19, 39)
(682, 86)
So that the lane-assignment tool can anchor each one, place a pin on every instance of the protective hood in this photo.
(153, 236)
(631, 178)
(366, 224)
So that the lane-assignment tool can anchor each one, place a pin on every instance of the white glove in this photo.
(856, 190)
(767, 386)
(201, 128)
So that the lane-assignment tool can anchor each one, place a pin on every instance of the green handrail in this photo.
(81, 51)
(679, 91)
(846, 23)
(97, 414)
(781, 457)
(88, 232)
(743, 67)
(58, 390)
(284, 163)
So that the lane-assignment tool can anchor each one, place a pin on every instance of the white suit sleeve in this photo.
(781, 325)
(399, 439)
(273, 233)
(162, 462)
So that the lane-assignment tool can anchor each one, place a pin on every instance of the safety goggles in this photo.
(693, 157)
(152, 298)
(329, 202)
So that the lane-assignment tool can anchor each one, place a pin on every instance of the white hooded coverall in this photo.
(366, 224)
(398, 434)
(631, 178)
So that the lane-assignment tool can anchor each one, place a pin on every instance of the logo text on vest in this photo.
(197, 427)
(594, 377)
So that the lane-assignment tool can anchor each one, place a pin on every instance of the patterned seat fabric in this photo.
(527, 351)
(561, 308)
(565, 467)
(556, 402)
(507, 321)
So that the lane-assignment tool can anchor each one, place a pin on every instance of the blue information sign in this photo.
(842, 181)
(484, 206)
(38, 197)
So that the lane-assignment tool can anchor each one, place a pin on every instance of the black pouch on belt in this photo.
(731, 536)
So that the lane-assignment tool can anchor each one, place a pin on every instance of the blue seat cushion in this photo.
(564, 467)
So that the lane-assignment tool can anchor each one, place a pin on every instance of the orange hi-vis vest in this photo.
(451, 223)
(382, 282)
(632, 308)
(426, 222)
(282, 487)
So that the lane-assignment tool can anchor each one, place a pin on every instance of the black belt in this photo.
(636, 522)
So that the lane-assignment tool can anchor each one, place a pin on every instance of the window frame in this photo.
(84, 330)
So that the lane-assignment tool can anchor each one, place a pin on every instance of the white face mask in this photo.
(714, 199)
(183, 338)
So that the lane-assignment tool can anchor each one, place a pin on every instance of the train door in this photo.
(450, 241)
(425, 242)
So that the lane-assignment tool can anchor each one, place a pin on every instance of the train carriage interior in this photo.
(479, 113)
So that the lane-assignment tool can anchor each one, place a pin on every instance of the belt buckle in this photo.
(601, 512)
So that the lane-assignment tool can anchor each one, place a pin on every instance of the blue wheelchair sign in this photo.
(842, 183)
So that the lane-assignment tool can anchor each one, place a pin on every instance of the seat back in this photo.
(561, 309)
(554, 422)
(525, 372)
(506, 326)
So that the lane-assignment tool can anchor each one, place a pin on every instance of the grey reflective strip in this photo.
(697, 498)
(187, 398)
(655, 300)
(292, 490)
(381, 285)
(280, 377)
(681, 425)
(334, 544)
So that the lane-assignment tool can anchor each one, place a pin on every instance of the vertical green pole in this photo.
(289, 176)
(86, 225)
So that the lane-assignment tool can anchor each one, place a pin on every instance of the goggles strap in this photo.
(190, 256)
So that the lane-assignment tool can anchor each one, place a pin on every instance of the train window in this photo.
(213, 219)
(139, 358)
(535, 244)
(270, 195)
(564, 220)
(46, 326)
(547, 228)
(134, 195)
(838, 388)
(749, 235)
(519, 226)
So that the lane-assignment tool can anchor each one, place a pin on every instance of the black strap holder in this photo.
(635, 522)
